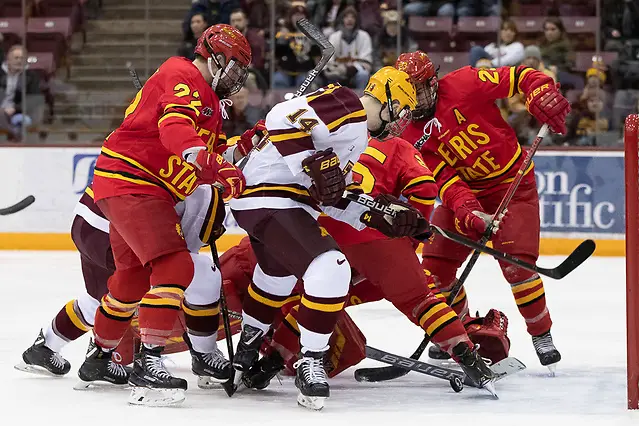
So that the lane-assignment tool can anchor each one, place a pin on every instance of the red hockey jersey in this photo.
(470, 144)
(174, 111)
(391, 167)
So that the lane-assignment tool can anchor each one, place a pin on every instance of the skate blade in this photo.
(82, 385)
(208, 382)
(156, 397)
(315, 403)
(490, 388)
(552, 368)
(35, 369)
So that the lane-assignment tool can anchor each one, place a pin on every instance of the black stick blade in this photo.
(576, 258)
(379, 374)
(18, 206)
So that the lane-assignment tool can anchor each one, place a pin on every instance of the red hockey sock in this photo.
(531, 302)
(441, 323)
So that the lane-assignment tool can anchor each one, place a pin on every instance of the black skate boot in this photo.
(435, 352)
(260, 374)
(547, 353)
(474, 366)
(99, 367)
(40, 359)
(152, 384)
(210, 368)
(311, 380)
(248, 348)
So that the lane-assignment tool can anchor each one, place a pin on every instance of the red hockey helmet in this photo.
(225, 40)
(423, 75)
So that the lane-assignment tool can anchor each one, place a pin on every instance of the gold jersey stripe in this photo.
(324, 307)
(176, 115)
(73, 316)
(356, 114)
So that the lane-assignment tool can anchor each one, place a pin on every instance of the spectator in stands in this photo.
(254, 36)
(518, 117)
(478, 8)
(508, 53)
(198, 25)
(294, 53)
(242, 115)
(558, 53)
(12, 117)
(429, 8)
(369, 17)
(588, 120)
(595, 79)
(351, 65)
(214, 11)
(258, 14)
(386, 51)
(324, 14)
(620, 21)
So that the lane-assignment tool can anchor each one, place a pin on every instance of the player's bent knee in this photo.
(514, 274)
(328, 275)
(129, 285)
(207, 280)
(173, 268)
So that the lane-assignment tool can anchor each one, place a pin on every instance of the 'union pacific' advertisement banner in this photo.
(581, 195)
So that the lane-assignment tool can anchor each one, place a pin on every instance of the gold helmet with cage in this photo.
(394, 90)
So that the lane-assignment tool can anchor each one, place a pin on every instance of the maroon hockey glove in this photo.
(490, 333)
(549, 106)
(328, 180)
(407, 222)
(212, 168)
(251, 137)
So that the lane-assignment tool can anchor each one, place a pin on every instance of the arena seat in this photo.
(582, 30)
(448, 61)
(42, 62)
(11, 8)
(71, 9)
(11, 30)
(583, 60)
(476, 31)
(431, 33)
(50, 35)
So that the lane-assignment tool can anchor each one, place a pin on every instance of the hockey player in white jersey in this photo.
(300, 171)
(202, 215)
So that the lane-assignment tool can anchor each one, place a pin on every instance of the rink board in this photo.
(581, 196)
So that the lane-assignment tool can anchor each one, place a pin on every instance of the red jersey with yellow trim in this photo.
(174, 111)
(393, 167)
(470, 144)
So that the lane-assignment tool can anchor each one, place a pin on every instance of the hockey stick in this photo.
(134, 76)
(21, 205)
(316, 36)
(576, 258)
(389, 373)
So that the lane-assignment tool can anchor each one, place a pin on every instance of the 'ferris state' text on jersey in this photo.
(174, 111)
(392, 167)
(331, 117)
(474, 146)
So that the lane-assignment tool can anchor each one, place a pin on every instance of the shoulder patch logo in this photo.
(207, 111)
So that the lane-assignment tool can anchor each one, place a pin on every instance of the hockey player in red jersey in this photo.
(474, 156)
(168, 144)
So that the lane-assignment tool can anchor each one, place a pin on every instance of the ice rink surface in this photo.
(587, 307)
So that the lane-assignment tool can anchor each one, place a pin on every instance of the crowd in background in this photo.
(365, 34)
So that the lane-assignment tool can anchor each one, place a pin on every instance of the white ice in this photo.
(587, 307)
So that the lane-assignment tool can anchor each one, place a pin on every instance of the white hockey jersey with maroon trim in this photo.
(331, 117)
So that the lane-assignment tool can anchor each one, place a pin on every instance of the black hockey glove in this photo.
(328, 180)
(407, 222)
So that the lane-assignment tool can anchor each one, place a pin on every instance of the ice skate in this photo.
(311, 381)
(546, 351)
(435, 352)
(99, 367)
(39, 359)
(248, 348)
(210, 368)
(474, 367)
(262, 372)
(152, 384)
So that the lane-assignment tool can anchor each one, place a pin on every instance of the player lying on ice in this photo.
(474, 156)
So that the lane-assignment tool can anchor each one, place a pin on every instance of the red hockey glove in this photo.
(490, 333)
(212, 168)
(251, 137)
(471, 220)
(549, 106)
(407, 222)
(328, 180)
